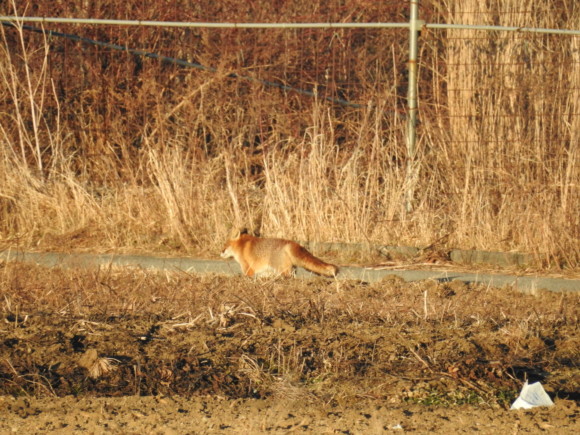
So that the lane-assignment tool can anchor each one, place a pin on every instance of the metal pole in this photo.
(97, 21)
(414, 27)
(222, 25)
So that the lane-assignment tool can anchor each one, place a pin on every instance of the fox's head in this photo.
(228, 249)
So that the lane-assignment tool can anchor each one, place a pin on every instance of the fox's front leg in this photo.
(246, 269)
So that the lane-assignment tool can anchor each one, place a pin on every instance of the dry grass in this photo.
(103, 151)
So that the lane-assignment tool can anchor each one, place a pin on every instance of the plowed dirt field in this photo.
(130, 351)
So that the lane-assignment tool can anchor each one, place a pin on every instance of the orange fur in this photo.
(257, 255)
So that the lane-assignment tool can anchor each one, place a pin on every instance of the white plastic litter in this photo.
(532, 395)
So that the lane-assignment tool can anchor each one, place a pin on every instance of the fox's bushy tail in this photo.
(305, 259)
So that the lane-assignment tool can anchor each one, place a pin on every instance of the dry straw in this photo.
(99, 150)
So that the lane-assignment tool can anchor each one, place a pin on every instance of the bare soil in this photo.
(141, 352)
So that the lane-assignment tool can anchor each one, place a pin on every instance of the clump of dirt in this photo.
(130, 333)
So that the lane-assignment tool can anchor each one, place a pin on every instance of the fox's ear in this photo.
(237, 233)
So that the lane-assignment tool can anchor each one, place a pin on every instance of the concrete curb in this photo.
(459, 256)
(190, 265)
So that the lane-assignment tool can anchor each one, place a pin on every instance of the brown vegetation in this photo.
(106, 150)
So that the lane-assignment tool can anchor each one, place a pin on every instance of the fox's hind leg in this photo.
(288, 272)
(283, 265)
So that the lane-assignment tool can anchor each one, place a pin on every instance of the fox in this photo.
(258, 255)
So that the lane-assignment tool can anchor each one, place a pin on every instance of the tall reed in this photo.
(103, 150)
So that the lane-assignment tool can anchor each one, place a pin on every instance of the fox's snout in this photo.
(226, 252)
